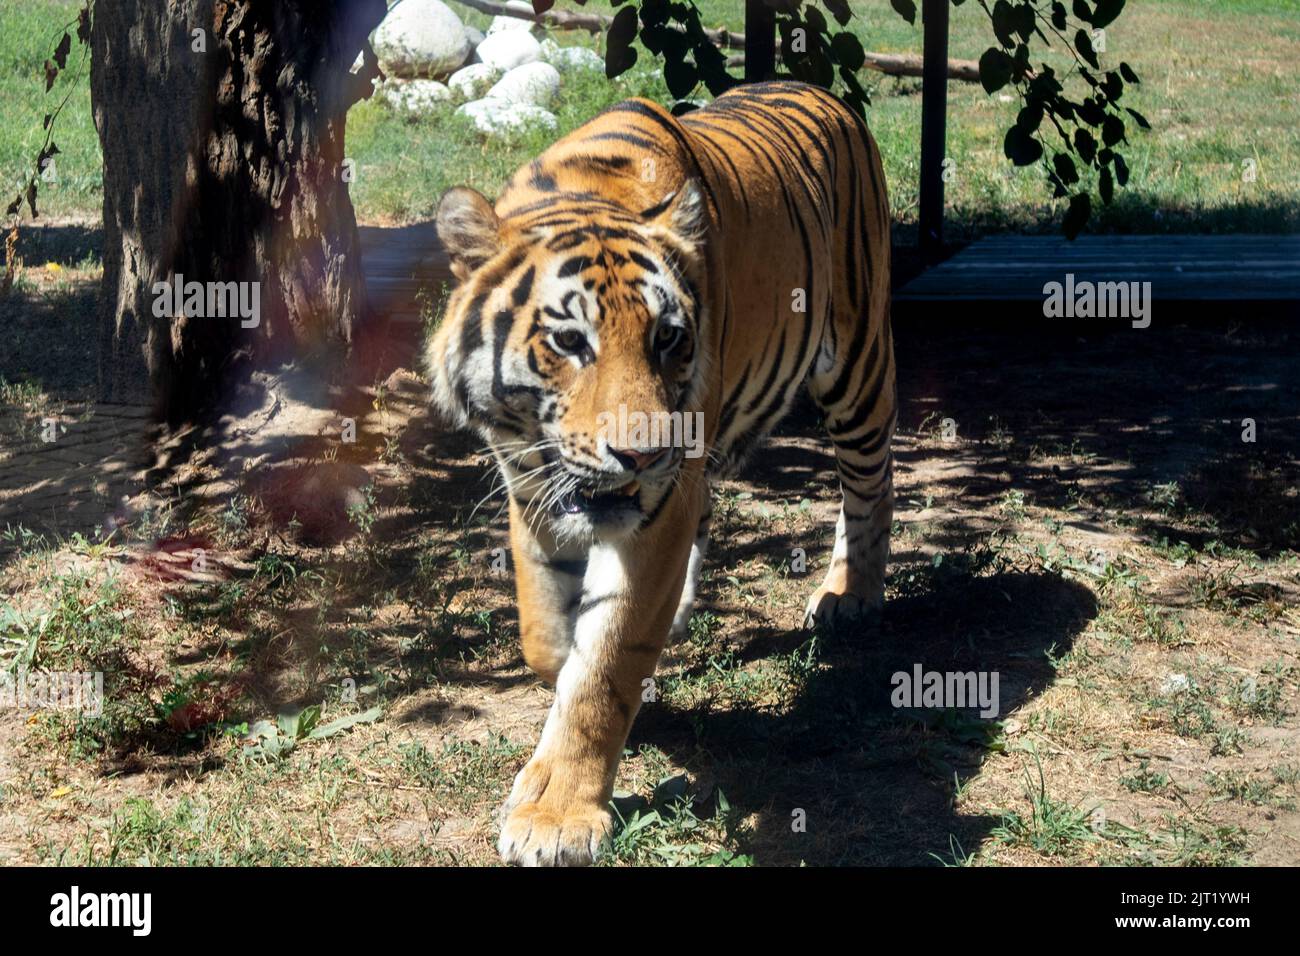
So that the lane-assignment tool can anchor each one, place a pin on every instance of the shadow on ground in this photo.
(875, 783)
(1143, 427)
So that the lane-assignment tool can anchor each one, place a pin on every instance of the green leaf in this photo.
(840, 11)
(669, 789)
(1106, 12)
(906, 9)
(1112, 130)
(640, 821)
(1083, 43)
(308, 719)
(1020, 62)
(61, 51)
(1021, 148)
(995, 69)
(1078, 214)
(1139, 118)
(855, 94)
(1065, 170)
(297, 724)
(681, 78)
(1112, 86)
(1091, 113)
(848, 50)
(1029, 119)
(1121, 170)
(340, 724)
(1025, 21)
(1004, 22)
(653, 12)
(263, 730)
(1085, 144)
(620, 55)
(1106, 184)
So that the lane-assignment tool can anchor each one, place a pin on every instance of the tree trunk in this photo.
(222, 126)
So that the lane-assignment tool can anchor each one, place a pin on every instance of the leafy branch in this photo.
(1077, 123)
(57, 63)
(1063, 132)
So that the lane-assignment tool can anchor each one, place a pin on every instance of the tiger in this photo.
(704, 266)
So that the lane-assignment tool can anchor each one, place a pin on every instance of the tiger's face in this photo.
(573, 345)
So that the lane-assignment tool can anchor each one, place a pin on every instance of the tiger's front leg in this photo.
(557, 813)
(548, 588)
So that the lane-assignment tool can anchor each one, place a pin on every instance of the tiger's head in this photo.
(574, 345)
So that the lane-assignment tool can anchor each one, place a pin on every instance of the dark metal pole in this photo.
(760, 41)
(934, 109)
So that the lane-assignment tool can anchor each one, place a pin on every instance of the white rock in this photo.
(507, 24)
(535, 84)
(508, 50)
(414, 96)
(1174, 684)
(500, 118)
(420, 38)
(567, 58)
(471, 82)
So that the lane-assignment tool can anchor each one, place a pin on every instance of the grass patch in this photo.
(1218, 87)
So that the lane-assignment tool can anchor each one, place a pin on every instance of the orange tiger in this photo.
(682, 271)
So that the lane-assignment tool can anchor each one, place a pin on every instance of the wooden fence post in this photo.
(934, 108)
(760, 41)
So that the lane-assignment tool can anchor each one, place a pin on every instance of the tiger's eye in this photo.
(569, 341)
(667, 337)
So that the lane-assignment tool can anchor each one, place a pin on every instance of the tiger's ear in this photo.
(468, 229)
(684, 213)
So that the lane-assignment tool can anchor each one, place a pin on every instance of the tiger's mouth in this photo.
(596, 502)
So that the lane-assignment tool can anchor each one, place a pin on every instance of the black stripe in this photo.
(621, 137)
(673, 129)
(644, 262)
(590, 604)
(586, 161)
(524, 288)
(574, 568)
(659, 208)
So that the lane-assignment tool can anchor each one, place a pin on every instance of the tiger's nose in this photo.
(634, 460)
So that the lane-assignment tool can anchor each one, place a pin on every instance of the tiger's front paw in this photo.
(826, 608)
(541, 828)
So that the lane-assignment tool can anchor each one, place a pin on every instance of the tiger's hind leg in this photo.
(857, 394)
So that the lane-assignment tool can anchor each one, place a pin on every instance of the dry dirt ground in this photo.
(1078, 512)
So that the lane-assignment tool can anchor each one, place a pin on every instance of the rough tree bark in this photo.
(222, 125)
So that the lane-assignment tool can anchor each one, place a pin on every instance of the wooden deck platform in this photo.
(400, 261)
(1179, 268)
